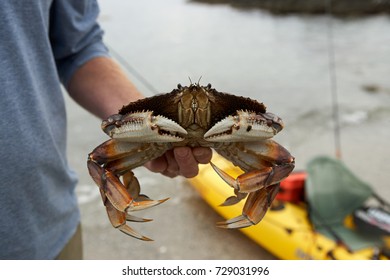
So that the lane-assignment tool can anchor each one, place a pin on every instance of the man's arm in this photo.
(101, 87)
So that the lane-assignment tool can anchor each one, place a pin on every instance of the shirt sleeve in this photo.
(75, 35)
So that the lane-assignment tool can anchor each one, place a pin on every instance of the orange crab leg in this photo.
(120, 156)
(116, 192)
(112, 150)
(131, 183)
(256, 179)
(118, 199)
(266, 163)
(255, 208)
(118, 220)
(110, 186)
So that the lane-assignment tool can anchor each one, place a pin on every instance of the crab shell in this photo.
(236, 127)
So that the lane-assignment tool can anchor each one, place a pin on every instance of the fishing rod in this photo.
(333, 79)
(132, 70)
(336, 126)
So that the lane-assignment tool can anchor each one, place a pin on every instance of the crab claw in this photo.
(245, 126)
(255, 208)
(143, 127)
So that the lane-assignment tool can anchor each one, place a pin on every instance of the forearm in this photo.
(101, 87)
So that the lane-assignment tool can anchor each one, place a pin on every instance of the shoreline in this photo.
(340, 7)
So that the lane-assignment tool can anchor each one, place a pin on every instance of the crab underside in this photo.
(237, 128)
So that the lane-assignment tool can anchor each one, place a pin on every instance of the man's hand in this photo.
(180, 161)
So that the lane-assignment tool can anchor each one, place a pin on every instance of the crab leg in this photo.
(118, 220)
(132, 185)
(116, 193)
(237, 197)
(112, 150)
(266, 163)
(255, 208)
(256, 179)
(118, 200)
(133, 188)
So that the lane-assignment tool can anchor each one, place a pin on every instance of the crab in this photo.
(238, 128)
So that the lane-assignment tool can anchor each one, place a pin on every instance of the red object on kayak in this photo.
(292, 188)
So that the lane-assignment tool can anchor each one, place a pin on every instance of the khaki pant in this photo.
(73, 250)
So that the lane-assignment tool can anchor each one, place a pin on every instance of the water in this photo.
(248, 52)
(280, 60)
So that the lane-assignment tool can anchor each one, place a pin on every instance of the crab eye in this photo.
(179, 86)
(208, 86)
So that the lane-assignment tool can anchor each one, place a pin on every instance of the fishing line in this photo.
(132, 70)
(333, 79)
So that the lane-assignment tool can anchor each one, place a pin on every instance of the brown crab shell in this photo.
(222, 104)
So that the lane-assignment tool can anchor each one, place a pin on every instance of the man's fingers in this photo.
(187, 163)
(180, 161)
(173, 168)
(202, 155)
(158, 165)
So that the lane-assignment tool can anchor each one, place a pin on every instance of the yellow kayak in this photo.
(286, 230)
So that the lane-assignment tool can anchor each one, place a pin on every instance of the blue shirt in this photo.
(42, 43)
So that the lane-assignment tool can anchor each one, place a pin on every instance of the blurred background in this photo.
(279, 59)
